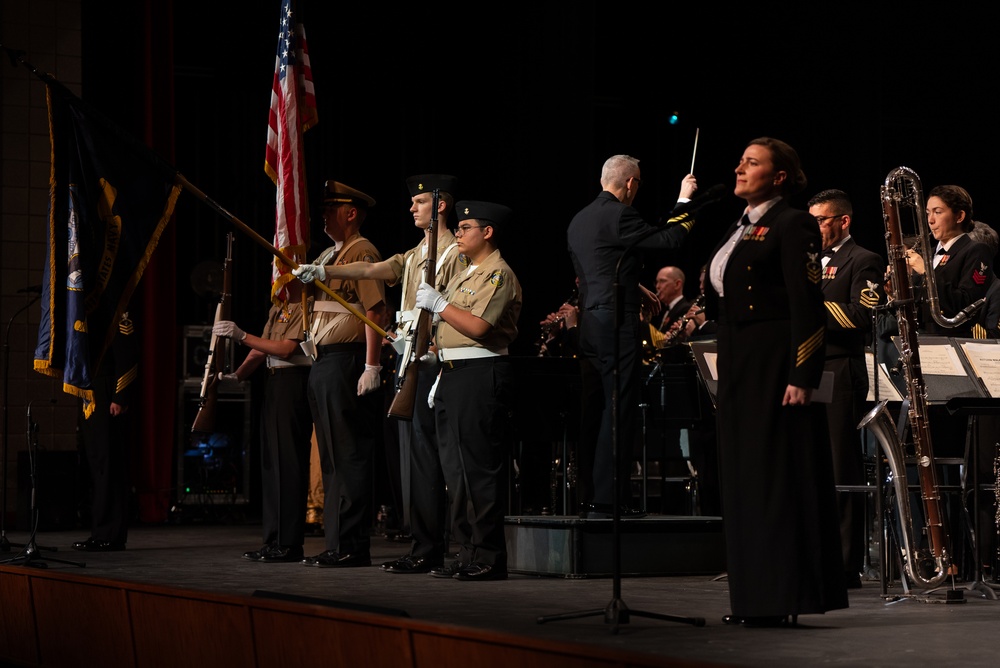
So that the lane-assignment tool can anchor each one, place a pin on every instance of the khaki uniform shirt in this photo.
(490, 291)
(362, 295)
(410, 265)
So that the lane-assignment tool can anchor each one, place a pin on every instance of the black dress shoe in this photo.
(279, 554)
(255, 555)
(449, 571)
(410, 564)
(93, 545)
(331, 559)
(481, 572)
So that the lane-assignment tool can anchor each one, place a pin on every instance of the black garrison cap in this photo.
(425, 183)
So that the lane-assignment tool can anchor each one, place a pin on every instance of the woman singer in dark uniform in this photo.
(778, 498)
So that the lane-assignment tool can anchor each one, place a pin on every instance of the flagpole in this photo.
(18, 56)
(246, 229)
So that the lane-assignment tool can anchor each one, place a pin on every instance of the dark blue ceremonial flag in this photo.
(110, 198)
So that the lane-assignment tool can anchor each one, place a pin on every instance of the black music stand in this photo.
(616, 612)
(961, 395)
(548, 386)
(673, 366)
(973, 409)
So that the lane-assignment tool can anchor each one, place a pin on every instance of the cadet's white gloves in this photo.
(369, 380)
(307, 272)
(229, 330)
(430, 299)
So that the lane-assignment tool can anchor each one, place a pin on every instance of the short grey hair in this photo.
(617, 170)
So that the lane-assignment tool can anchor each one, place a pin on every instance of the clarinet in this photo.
(549, 329)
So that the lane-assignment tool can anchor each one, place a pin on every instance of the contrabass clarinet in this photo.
(929, 565)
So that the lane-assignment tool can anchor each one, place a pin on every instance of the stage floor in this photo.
(874, 631)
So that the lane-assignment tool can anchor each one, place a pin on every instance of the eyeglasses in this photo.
(823, 219)
(462, 229)
(636, 179)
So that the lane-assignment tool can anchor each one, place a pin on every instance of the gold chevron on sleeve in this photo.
(979, 332)
(127, 378)
(684, 220)
(839, 315)
(809, 347)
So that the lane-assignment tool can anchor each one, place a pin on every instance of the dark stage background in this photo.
(524, 102)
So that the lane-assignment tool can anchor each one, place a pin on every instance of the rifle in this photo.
(417, 342)
(204, 421)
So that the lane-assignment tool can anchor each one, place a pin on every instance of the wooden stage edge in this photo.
(134, 624)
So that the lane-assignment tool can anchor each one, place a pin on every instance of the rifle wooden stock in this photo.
(204, 420)
(402, 404)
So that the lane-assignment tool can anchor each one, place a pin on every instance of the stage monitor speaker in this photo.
(214, 468)
(197, 344)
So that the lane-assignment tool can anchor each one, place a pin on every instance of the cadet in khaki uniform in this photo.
(423, 482)
(343, 381)
(473, 396)
(285, 425)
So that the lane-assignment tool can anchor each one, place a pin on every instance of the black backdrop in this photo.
(524, 102)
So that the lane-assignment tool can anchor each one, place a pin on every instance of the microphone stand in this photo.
(5, 544)
(30, 554)
(616, 611)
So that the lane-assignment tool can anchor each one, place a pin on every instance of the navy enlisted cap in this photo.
(425, 183)
(495, 213)
(335, 192)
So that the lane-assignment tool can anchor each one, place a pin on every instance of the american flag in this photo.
(293, 111)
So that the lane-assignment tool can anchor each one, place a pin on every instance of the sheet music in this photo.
(711, 361)
(985, 361)
(940, 360)
(886, 389)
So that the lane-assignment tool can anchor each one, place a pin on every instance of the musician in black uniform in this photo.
(852, 286)
(779, 507)
(344, 381)
(473, 398)
(285, 424)
(963, 268)
(988, 437)
(670, 292)
(105, 441)
(988, 317)
(597, 238)
(425, 482)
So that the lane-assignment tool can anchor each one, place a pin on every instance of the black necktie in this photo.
(745, 220)
(829, 252)
(940, 251)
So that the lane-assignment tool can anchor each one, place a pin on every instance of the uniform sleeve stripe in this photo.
(809, 347)
(838, 314)
(127, 378)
